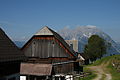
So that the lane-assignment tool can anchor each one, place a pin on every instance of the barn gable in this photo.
(44, 31)
(45, 44)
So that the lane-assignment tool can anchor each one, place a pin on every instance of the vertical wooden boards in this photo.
(45, 48)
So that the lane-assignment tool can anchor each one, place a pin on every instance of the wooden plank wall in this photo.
(66, 68)
(44, 48)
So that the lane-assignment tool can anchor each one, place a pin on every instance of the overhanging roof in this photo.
(36, 69)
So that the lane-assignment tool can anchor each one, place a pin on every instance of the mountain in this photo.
(19, 43)
(82, 33)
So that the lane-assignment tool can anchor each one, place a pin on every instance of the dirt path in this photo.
(101, 73)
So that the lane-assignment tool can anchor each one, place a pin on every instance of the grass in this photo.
(103, 77)
(90, 76)
(105, 60)
(114, 73)
(102, 60)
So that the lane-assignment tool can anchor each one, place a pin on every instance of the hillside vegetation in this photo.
(107, 68)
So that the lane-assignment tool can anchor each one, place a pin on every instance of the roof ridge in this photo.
(1, 30)
(44, 31)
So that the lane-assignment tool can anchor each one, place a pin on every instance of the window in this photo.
(33, 49)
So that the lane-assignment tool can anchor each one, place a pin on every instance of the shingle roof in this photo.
(36, 69)
(8, 50)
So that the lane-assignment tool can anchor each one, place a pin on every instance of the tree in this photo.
(95, 48)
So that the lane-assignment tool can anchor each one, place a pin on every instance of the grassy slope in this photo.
(115, 75)
(90, 77)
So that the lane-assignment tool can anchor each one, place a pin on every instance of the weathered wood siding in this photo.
(44, 48)
(28, 51)
(64, 68)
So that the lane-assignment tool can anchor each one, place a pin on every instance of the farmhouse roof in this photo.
(36, 69)
(85, 56)
(8, 50)
(44, 31)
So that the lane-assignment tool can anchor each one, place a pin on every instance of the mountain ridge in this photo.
(82, 33)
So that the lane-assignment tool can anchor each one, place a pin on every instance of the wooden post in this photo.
(59, 78)
(35, 78)
(27, 77)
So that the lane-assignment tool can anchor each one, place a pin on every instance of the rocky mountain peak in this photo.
(82, 33)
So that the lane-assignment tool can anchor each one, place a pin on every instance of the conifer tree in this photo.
(95, 48)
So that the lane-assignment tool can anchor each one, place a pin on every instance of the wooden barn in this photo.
(49, 57)
(10, 58)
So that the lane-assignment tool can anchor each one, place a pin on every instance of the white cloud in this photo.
(91, 26)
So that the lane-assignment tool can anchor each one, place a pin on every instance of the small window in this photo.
(33, 49)
(33, 42)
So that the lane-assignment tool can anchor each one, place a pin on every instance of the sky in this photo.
(20, 19)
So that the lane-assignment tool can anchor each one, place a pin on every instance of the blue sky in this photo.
(22, 18)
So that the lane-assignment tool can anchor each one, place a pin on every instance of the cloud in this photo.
(91, 26)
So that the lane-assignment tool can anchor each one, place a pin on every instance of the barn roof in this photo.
(36, 69)
(85, 56)
(45, 31)
(8, 50)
